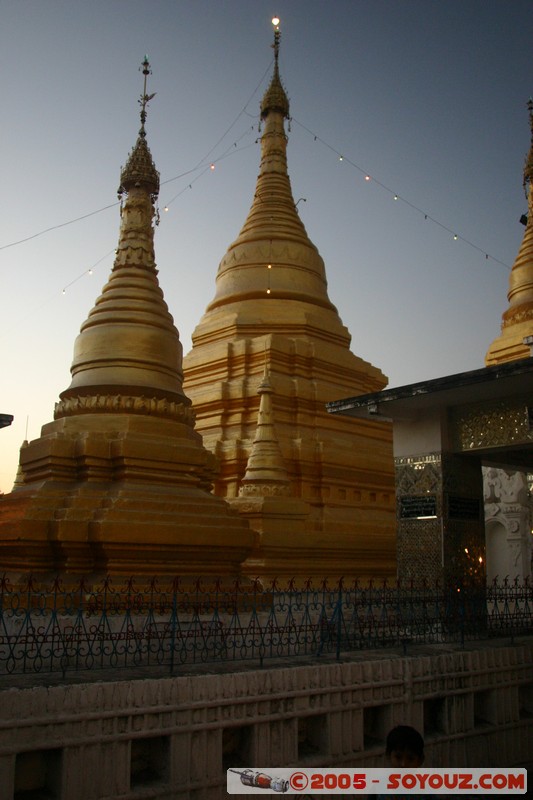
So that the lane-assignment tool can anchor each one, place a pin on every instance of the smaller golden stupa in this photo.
(517, 321)
(120, 481)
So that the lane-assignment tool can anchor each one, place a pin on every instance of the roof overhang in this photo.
(511, 379)
(5, 420)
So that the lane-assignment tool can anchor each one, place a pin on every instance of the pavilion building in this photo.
(463, 447)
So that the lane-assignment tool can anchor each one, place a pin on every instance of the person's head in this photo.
(405, 747)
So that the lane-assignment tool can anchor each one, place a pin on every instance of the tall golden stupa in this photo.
(120, 481)
(517, 320)
(271, 316)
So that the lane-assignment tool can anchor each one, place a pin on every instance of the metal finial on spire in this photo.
(277, 34)
(140, 169)
(275, 98)
(145, 98)
(528, 167)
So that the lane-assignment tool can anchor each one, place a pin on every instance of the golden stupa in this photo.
(271, 314)
(517, 320)
(120, 481)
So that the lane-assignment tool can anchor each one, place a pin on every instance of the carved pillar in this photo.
(507, 514)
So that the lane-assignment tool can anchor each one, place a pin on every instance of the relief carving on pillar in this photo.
(507, 509)
(505, 486)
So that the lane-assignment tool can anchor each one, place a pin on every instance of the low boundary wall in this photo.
(172, 738)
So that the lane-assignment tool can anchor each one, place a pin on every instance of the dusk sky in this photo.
(426, 98)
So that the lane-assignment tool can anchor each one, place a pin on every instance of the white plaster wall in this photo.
(474, 706)
(497, 550)
(424, 434)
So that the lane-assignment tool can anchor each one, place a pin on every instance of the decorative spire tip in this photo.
(140, 169)
(275, 97)
(277, 34)
(528, 167)
(145, 98)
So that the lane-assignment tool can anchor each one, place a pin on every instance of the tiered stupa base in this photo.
(342, 468)
(122, 495)
(287, 547)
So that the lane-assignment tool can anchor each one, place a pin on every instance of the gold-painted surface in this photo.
(517, 320)
(275, 97)
(129, 404)
(266, 474)
(281, 316)
(120, 481)
(139, 170)
(129, 341)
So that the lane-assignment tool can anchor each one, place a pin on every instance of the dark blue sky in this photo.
(428, 98)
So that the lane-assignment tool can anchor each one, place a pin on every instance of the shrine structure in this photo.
(120, 482)
(463, 447)
(334, 507)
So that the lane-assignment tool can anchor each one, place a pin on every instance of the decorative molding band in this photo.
(125, 404)
(264, 490)
(515, 316)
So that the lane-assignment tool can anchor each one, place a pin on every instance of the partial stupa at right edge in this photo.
(272, 315)
(517, 320)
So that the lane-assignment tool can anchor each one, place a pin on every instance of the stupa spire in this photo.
(303, 477)
(275, 97)
(517, 320)
(528, 166)
(140, 171)
(119, 482)
(273, 256)
(128, 349)
(266, 473)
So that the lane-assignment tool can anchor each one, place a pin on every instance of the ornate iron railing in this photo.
(63, 627)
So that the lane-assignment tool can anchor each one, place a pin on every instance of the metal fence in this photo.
(61, 627)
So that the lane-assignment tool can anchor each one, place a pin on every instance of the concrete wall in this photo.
(175, 737)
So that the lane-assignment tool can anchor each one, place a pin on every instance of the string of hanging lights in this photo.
(232, 150)
(395, 196)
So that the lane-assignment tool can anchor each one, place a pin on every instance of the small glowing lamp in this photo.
(268, 291)
(212, 167)
(275, 21)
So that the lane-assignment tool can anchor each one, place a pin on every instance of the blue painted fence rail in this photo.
(63, 626)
